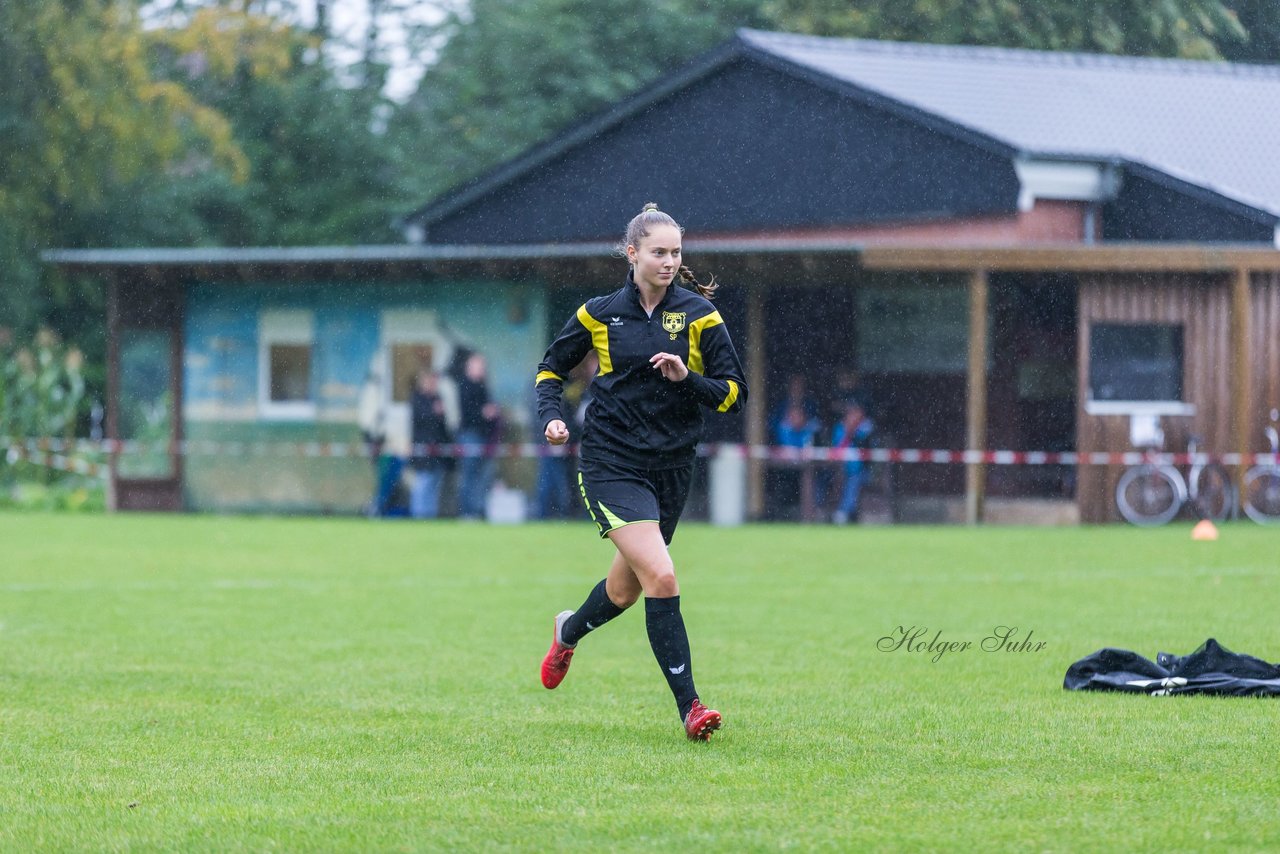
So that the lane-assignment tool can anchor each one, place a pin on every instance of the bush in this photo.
(42, 396)
(69, 494)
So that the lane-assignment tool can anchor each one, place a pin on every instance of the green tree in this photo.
(319, 167)
(511, 72)
(217, 124)
(1261, 22)
(1197, 29)
(80, 115)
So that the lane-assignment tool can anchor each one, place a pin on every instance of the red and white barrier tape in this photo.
(60, 449)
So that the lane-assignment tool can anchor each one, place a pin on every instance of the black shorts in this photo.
(617, 494)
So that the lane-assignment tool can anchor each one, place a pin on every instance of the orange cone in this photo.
(1204, 530)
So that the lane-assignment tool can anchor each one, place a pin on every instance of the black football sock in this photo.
(670, 645)
(594, 613)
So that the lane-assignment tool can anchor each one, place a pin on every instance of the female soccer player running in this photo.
(664, 355)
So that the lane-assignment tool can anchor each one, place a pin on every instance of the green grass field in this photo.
(204, 683)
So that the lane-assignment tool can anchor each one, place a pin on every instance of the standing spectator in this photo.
(793, 479)
(555, 488)
(552, 498)
(853, 431)
(371, 419)
(797, 429)
(477, 427)
(797, 395)
(792, 424)
(428, 428)
(849, 386)
(385, 444)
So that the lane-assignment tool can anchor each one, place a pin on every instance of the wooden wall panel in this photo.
(1266, 360)
(1202, 304)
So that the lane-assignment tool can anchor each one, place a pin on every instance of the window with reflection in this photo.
(286, 341)
(1140, 362)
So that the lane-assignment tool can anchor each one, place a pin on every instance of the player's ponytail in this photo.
(708, 290)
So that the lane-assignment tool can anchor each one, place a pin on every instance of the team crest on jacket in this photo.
(673, 322)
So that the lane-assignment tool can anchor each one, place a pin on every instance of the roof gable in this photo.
(964, 113)
(747, 147)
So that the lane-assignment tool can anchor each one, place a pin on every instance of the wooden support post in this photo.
(1241, 368)
(755, 409)
(976, 419)
(111, 426)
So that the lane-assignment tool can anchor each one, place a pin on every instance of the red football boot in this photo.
(701, 722)
(556, 663)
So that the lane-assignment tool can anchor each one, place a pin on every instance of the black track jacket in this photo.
(635, 416)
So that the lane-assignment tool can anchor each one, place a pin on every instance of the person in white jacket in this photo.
(386, 430)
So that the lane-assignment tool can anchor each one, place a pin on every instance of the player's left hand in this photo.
(671, 365)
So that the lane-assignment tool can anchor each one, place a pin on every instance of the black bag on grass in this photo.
(1211, 669)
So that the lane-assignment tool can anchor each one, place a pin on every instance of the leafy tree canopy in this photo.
(319, 171)
(513, 71)
(1194, 29)
(80, 113)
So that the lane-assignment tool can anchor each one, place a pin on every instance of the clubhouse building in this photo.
(1009, 249)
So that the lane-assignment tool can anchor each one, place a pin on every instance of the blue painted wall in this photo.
(507, 322)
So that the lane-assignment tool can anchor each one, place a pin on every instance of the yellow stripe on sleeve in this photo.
(599, 339)
(695, 338)
(730, 398)
(547, 375)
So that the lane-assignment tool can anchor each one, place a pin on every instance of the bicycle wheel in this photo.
(1215, 496)
(1262, 495)
(1148, 495)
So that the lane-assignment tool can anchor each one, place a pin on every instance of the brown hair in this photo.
(639, 228)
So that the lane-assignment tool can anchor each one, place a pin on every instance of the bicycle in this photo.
(1261, 498)
(1153, 492)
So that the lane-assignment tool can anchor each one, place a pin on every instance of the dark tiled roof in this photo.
(1212, 124)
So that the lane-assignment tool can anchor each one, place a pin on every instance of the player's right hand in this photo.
(556, 432)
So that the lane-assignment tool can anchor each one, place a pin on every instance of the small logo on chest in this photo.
(615, 321)
(673, 322)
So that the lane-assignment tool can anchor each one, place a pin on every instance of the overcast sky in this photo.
(349, 21)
